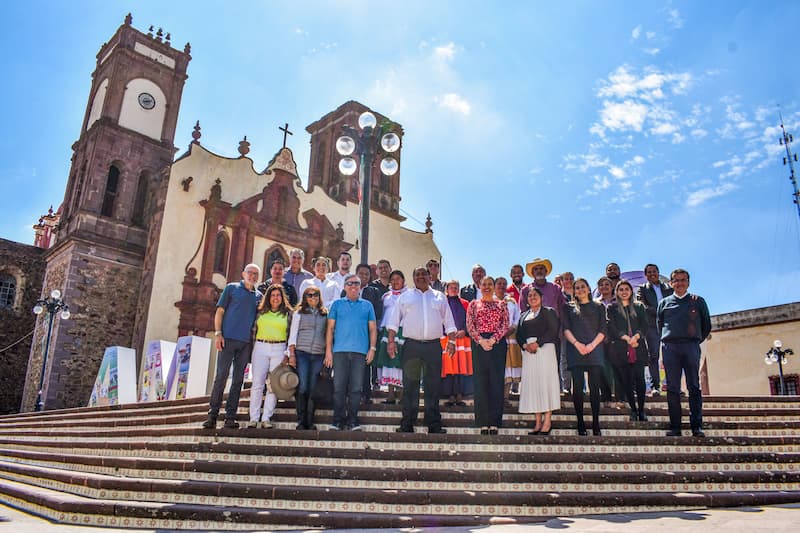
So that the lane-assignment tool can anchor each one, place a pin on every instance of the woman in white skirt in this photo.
(269, 351)
(540, 389)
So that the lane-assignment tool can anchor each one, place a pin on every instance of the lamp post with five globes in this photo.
(369, 139)
(54, 304)
(777, 355)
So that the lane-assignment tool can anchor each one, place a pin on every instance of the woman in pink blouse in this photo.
(487, 325)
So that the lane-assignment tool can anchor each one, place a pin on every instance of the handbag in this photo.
(322, 394)
(631, 349)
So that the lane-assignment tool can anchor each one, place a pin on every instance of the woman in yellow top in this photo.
(269, 351)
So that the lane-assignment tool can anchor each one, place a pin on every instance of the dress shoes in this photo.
(402, 429)
(674, 433)
(493, 431)
(210, 423)
(642, 417)
(484, 431)
(461, 403)
(697, 432)
(439, 430)
(582, 432)
(535, 432)
(231, 423)
(389, 402)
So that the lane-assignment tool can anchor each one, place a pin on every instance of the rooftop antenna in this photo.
(790, 159)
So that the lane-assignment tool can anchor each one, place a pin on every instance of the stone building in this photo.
(21, 273)
(145, 242)
(734, 355)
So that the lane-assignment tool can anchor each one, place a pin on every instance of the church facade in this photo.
(145, 242)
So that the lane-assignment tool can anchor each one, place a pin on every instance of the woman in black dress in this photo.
(627, 326)
(585, 327)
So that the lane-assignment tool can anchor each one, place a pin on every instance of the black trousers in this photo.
(631, 377)
(422, 360)
(578, 384)
(488, 370)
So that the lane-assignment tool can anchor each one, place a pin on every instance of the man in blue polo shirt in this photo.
(233, 321)
(350, 345)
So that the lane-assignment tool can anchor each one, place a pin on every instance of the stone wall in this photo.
(101, 289)
(26, 265)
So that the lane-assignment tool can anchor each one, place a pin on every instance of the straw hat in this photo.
(536, 262)
(283, 382)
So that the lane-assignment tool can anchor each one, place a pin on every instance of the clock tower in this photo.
(104, 252)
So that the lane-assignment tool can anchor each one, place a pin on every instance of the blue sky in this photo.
(580, 131)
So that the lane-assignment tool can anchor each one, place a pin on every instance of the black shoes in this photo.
(439, 430)
(210, 423)
(697, 432)
(389, 402)
(642, 416)
(535, 432)
(674, 433)
(231, 423)
(484, 431)
(596, 432)
(582, 432)
(402, 429)
(493, 431)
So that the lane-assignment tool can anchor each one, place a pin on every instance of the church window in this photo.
(276, 252)
(8, 291)
(110, 196)
(221, 253)
(140, 201)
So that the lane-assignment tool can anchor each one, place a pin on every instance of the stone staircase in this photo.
(151, 466)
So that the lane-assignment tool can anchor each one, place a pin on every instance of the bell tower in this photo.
(104, 246)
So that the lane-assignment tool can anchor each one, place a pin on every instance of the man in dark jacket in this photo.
(649, 295)
(684, 322)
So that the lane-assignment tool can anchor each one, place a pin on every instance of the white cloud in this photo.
(637, 31)
(454, 102)
(702, 195)
(652, 51)
(617, 172)
(637, 160)
(698, 133)
(623, 116)
(674, 19)
(663, 129)
(446, 52)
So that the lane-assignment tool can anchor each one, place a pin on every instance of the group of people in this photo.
(483, 339)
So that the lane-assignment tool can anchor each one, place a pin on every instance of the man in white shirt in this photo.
(423, 313)
(344, 263)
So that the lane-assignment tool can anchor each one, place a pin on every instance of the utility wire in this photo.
(17, 341)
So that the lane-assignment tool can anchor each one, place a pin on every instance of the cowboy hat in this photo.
(536, 262)
(283, 382)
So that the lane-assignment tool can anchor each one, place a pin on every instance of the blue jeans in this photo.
(683, 357)
(348, 377)
(308, 368)
(236, 353)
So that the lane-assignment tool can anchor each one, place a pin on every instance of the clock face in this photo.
(147, 101)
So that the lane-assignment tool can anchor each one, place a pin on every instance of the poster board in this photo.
(188, 370)
(155, 365)
(116, 379)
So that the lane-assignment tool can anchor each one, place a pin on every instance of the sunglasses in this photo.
(353, 283)
(312, 295)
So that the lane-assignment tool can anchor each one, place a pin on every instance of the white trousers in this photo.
(265, 358)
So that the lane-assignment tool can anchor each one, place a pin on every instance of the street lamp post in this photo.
(367, 141)
(777, 355)
(52, 305)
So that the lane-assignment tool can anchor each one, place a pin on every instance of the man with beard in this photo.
(515, 289)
